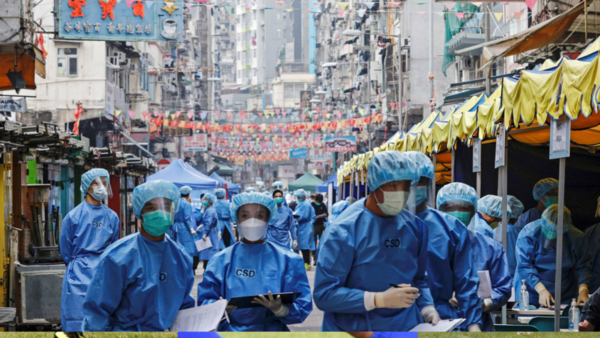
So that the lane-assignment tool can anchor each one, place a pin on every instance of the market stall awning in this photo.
(535, 37)
(308, 182)
(179, 174)
(29, 62)
(325, 186)
(232, 188)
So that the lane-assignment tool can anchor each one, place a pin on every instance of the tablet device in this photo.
(246, 302)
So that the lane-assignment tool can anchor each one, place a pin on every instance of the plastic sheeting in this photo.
(180, 174)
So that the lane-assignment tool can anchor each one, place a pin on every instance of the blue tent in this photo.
(323, 187)
(180, 174)
(231, 188)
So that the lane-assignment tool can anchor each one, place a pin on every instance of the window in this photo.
(292, 91)
(254, 52)
(278, 16)
(67, 62)
(279, 33)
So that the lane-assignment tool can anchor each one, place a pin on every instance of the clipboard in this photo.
(246, 302)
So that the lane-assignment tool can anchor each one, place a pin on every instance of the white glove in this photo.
(487, 305)
(397, 298)
(295, 243)
(584, 294)
(219, 234)
(474, 328)
(273, 304)
(430, 315)
(193, 231)
(204, 237)
(545, 299)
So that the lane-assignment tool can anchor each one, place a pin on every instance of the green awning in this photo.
(225, 169)
(308, 182)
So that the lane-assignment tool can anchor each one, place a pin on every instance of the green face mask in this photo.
(317, 203)
(550, 200)
(463, 216)
(205, 203)
(156, 223)
(494, 225)
(279, 200)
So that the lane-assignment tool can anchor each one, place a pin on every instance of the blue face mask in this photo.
(156, 223)
(421, 195)
(463, 216)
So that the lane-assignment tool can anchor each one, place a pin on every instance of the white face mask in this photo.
(253, 229)
(393, 202)
(99, 193)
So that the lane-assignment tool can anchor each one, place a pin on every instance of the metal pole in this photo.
(486, 22)
(431, 58)
(453, 163)
(585, 18)
(504, 169)
(559, 242)
(400, 99)
(479, 183)
(432, 202)
(352, 183)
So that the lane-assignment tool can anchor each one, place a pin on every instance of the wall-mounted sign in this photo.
(298, 153)
(476, 155)
(340, 143)
(196, 142)
(305, 97)
(120, 20)
(500, 142)
(13, 105)
(560, 138)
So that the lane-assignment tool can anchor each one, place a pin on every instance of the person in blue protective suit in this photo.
(374, 243)
(305, 217)
(337, 209)
(461, 200)
(197, 219)
(222, 208)
(545, 191)
(183, 229)
(278, 185)
(536, 260)
(489, 214)
(254, 267)
(449, 253)
(512, 232)
(86, 232)
(282, 228)
(593, 242)
(250, 189)
(210, 229)
(144, 279)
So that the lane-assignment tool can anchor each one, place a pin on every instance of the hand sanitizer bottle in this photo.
(524, 297)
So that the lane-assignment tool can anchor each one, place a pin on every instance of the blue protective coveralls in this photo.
(281, 227)
(181, 229)
(489, 255)
(361, 252)
(449, 268)
(252, 269)
(527, 217)
(305, 230)
(222, 208)
(210, 227)
(87, 231)
(337, 210)
(512, 234)
(140, 285)
(536, 264)
(480, 225)
(593, 236)
(197, 219)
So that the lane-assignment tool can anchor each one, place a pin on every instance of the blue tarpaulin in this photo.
(231, 188)
(180, 174)
(323, 187)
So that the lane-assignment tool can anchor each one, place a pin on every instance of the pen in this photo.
(395, 285)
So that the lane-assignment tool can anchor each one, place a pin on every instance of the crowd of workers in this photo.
(387, 262)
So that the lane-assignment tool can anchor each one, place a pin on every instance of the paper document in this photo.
(562, 307)
(445, 325)
(484, 290)
(203, 244)
(202, 318)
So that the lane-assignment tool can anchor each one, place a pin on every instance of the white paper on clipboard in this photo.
(200, 319)
(203, 244)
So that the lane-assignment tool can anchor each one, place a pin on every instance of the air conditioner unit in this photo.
(145, 57)
(121, 56)
(133, 66)
(113, 60)
(127, 63)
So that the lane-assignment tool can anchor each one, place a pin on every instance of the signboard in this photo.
(340, 143)
(560, 138)
(286, 171)
(320, 155)
(500, 141)
(316, 165)
(298, 153)
(196, 142)
(13, 105)
(267, 100)
(162, 164)
(120, 20)
(305, 97)
(476, 155)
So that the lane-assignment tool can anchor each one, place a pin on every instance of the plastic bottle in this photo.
(574, 316)
(524, 298)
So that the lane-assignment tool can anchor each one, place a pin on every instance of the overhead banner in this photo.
(298, 153)
(120, 20)
(340, 143)
(13, 105)
(197, 142)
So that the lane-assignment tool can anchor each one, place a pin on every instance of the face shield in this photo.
(252, 221)
(419, 193)
(100, 188)
(158, 215)
(464, 211)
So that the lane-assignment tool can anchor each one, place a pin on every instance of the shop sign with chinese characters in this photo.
(120, 20)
